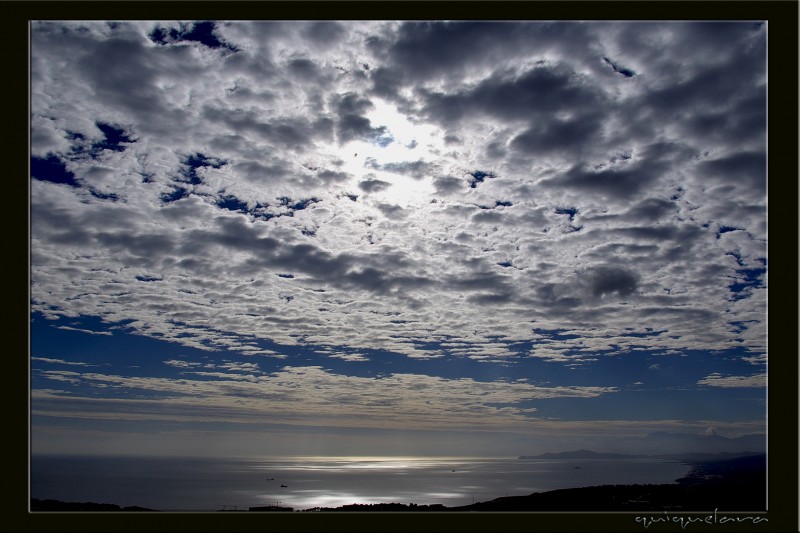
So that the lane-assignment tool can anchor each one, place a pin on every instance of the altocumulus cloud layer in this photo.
(489, 192)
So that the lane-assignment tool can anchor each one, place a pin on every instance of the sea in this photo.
(203, 484)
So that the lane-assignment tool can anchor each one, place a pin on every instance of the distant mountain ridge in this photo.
(661, 443)
(581, 454)
(681, 457)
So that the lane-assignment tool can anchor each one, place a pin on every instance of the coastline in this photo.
(737, 484)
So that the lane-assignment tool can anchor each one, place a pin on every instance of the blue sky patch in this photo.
(52, 169)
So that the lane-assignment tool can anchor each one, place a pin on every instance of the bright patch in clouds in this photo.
(402, 144)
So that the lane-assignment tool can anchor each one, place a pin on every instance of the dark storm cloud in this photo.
(651, 209)
(239, 93)
(394, 212)
(686, 235)
(448, 184)
(747, 168)
(608, 280)
(485, 282)
(374, 185)
(351, 127)
(717, 34)
(422, 49)
(381, 281)
(647, 211)
(354, 127)
(415, 169)
(304, 69)
(372, 273)
(707, 42)
(258, 172)
(555, 297)
(487, 217)
(740, 122)
(432, 49)
(536, 94)
(386, 82)
(727, 74)
(378, 273)
(560, 136)
(628, 180)
(616, 183)
(324, 32)
(146, 246)
(290, 132)
(122, 72)
(231, 232)
(718, 83)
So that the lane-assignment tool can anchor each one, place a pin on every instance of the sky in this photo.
(395, 237)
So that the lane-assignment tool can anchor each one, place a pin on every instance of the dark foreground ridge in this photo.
(59, 506)
(737, 484)
(732, 485)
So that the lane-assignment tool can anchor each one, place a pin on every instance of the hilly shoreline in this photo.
(714, 482)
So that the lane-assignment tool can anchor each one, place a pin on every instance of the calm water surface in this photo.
(172, 484)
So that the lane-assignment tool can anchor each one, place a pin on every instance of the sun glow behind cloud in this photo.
(403, 143)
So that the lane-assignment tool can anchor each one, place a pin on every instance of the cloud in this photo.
(91, 332)
(416, 169)
(565, 136)
(52, 360)
(374, 185)
(312, 395)
(182, 172)
(611, 280)
(539, 93)
(239, 367)
(352, 357)
(182, 364)
(449, 184)
(718, 380)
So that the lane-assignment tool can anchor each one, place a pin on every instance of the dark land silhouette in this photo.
(728, 485)
(713, 482)
(59, 506)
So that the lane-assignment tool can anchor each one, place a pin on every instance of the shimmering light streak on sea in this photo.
(308, 482)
